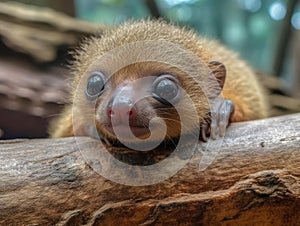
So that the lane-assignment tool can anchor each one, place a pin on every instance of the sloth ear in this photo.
(219, 71)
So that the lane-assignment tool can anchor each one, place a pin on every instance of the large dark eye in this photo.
(165, 89)
(95, 85)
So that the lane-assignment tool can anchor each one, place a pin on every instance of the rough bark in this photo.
(254, 180)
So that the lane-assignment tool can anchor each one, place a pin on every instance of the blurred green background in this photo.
(251, 27)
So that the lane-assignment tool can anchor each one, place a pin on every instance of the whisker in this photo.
(170, 139)
(186, 127)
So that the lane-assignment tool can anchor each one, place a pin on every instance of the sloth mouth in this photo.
(126, 131)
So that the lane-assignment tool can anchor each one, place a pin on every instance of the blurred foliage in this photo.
(246, 26)
(250, 27)
(111, 11)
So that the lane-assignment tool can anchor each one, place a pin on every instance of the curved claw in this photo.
(220, 113)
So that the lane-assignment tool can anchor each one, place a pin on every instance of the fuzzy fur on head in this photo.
(241, 86)
(191, 69)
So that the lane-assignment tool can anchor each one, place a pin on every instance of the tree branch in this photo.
(254, 179)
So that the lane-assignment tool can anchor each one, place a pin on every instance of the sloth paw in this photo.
(220, 113)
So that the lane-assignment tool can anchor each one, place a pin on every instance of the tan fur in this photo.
(241, 86)
(62, 126)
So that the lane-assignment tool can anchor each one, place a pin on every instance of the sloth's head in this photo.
(145, 80)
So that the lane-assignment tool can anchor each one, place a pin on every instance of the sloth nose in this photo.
(121, 109)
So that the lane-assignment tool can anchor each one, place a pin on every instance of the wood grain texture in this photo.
(254, 180)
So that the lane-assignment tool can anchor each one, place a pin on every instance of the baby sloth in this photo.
(150, 80)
